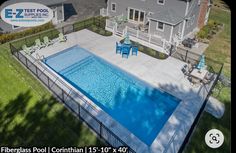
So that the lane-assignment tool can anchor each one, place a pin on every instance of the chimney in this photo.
(203, 12)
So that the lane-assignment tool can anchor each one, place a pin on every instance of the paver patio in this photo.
(165, 74)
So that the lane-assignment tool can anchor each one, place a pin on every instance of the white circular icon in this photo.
(214, 138)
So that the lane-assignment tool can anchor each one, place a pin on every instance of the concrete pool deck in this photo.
(165, 74)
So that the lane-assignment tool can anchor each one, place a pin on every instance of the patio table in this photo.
(199, 74)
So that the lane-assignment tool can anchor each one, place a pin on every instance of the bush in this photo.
(94, 28)
(102, 32)
(202, 34)
(162, 55)
(11, 36)
(211, 24)
(148, 51)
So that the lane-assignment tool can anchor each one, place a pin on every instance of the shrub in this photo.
(162, 55)
(211, 23)
(94, 28)
(141, 48)
(11, 36)
(150, 52)
(201, 34)
(102, 32)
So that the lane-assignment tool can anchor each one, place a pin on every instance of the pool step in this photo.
(75, 67)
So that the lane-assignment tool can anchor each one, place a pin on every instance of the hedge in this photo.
(148, 51)
(11, 36)
(95, 24)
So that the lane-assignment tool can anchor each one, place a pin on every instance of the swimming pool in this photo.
(136, 105)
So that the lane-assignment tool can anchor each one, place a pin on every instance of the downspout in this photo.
(63, 13)
(186, 12)
(171, 33)
(107, 7)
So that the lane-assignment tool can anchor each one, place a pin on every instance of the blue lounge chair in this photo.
(135, 50)
(126, 50)
(118, 48)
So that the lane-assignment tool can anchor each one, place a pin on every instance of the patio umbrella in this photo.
(127, 41)
(201, 63)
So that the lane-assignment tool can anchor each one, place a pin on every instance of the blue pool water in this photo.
(140, 108)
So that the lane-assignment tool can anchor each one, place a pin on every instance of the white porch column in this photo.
(171, 33)
(184, 24)
(182, 33)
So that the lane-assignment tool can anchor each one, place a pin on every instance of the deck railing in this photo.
(141, 37)
(103, 12)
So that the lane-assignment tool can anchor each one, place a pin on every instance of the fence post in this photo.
(36, 70)
(48, 82)
(26, 62)
(100, 133)
(73, 26)
(186, 55)
(62, 91)
(11, 48)
(79, 110)
(62, 30)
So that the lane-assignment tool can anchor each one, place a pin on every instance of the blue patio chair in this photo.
(118, 48)
(126, 50)
(135, 50)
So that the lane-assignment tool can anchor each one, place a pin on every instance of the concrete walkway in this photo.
(215, 107)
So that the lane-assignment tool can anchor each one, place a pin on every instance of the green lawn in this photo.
(30, 116)
(219, 49)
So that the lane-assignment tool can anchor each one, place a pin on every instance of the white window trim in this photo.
(192, 19)
(161, 3)
(132, 20)
(115, 7)
(158, 28)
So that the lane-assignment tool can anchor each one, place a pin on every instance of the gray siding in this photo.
(177, 29)
(164, 34)
(191, 24)
(60, 14)
(147, 6)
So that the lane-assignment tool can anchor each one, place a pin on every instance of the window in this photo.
(161, 2)
(113, 7)
(136, 15)
(141, 19)
(160, 26)
(131, 14)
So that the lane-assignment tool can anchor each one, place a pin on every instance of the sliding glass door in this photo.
(136, 15)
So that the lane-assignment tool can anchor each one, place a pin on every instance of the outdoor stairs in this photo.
(119, 33)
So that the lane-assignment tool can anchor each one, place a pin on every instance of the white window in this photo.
(161, 2)
(160, 26)
(113, 7)
(136, 15)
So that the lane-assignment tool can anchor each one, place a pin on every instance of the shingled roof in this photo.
(167, 15)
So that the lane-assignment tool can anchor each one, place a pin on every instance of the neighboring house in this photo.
(56, 5)
(169, 20)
